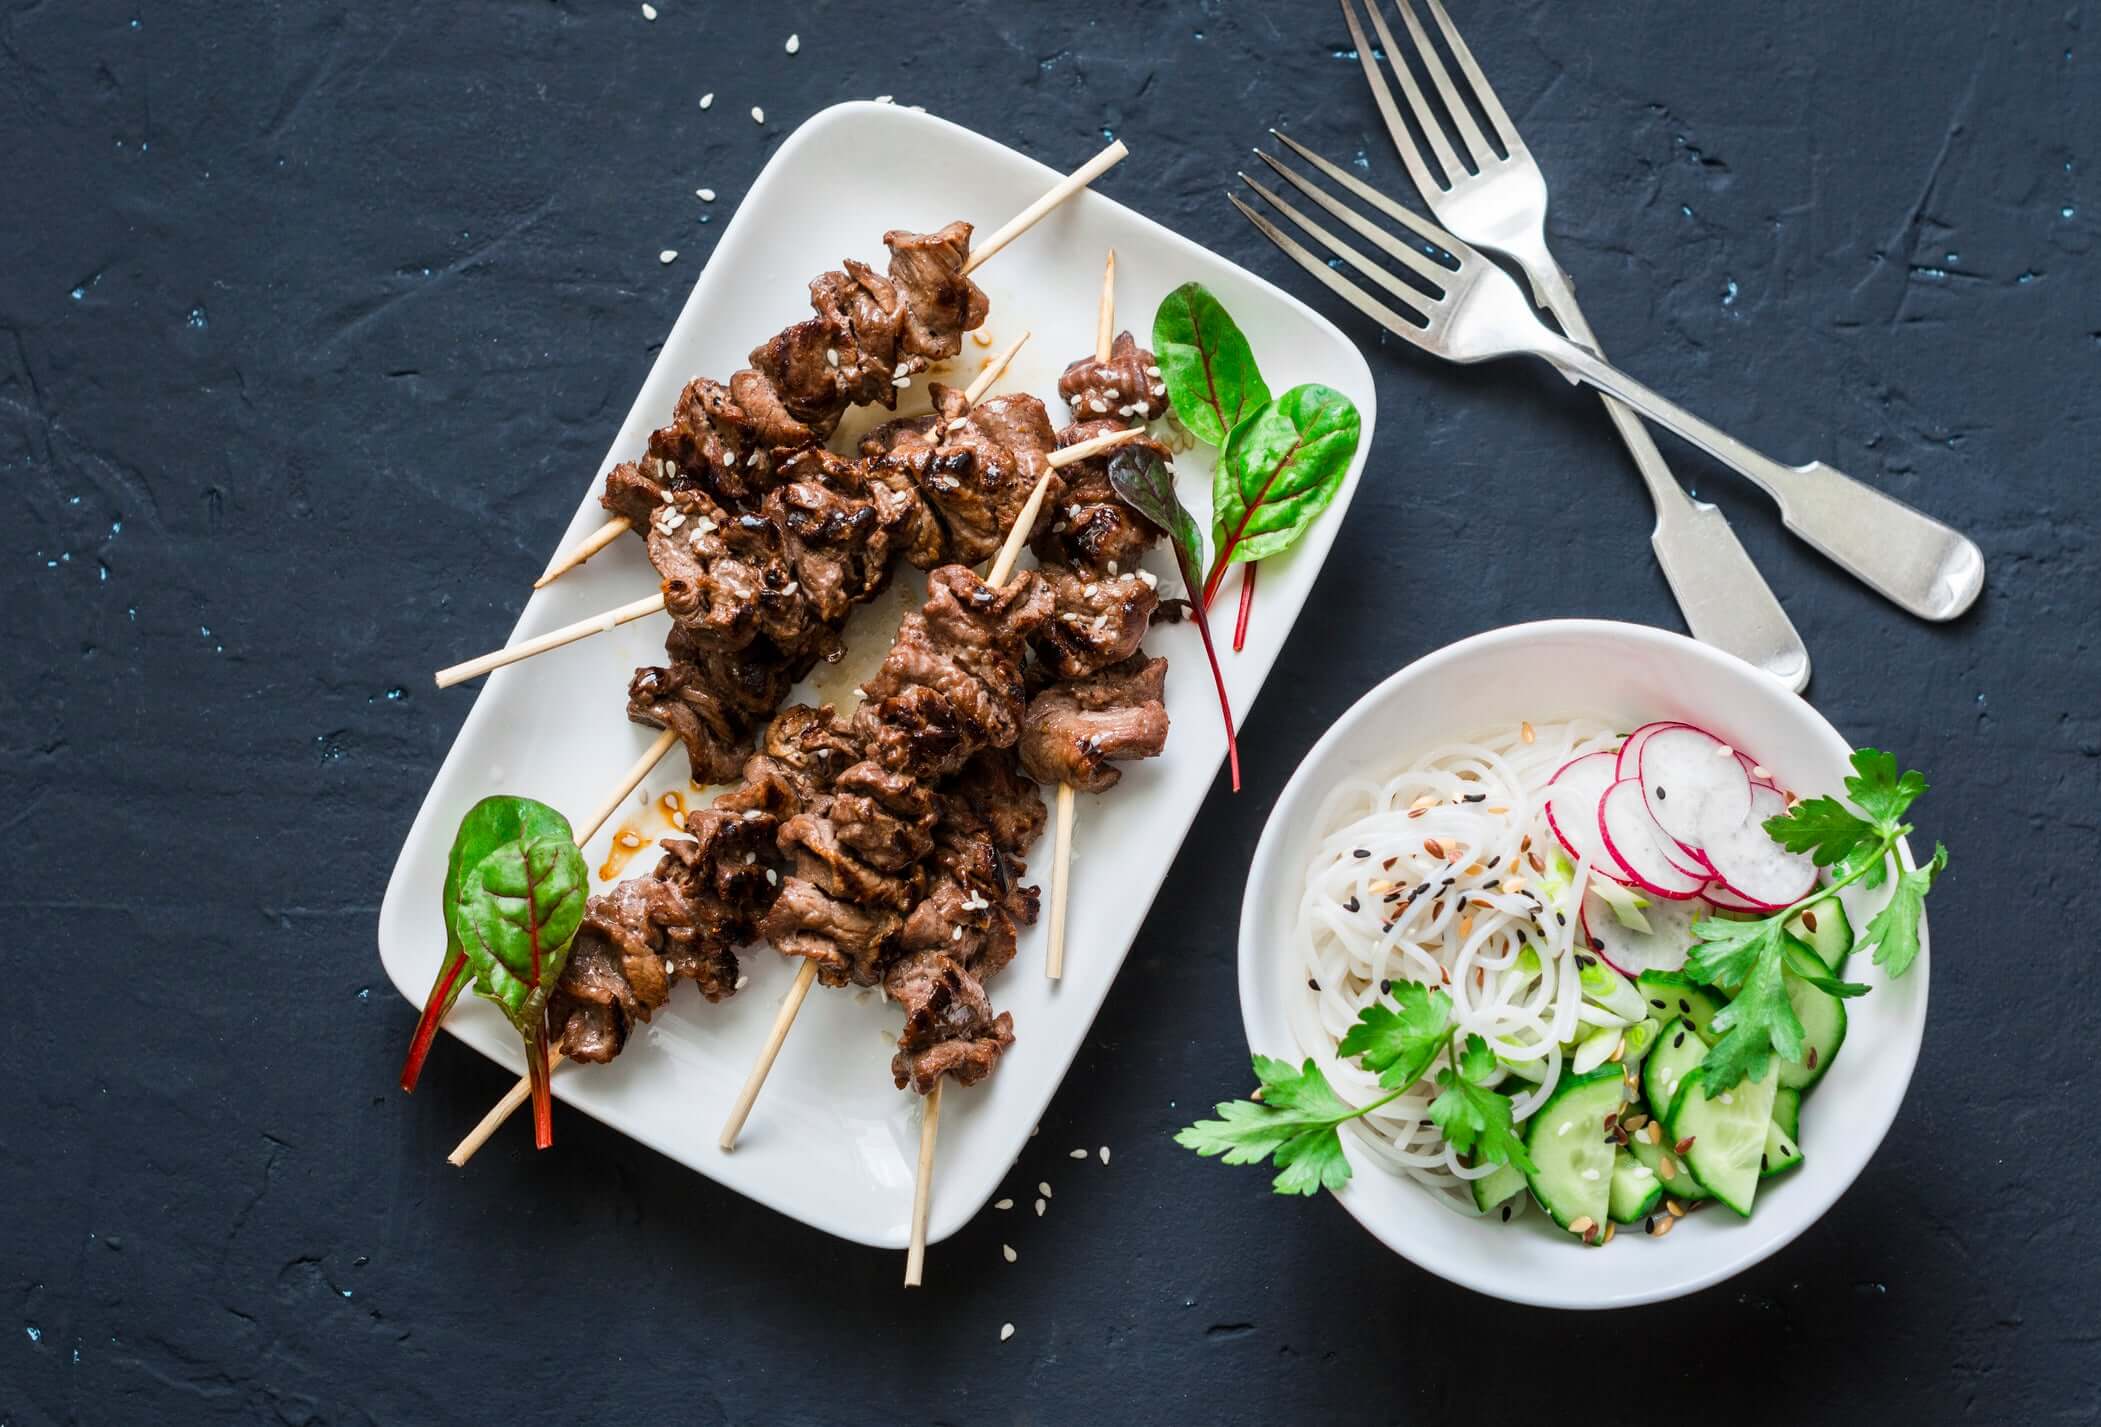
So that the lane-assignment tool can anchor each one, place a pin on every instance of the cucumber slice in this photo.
(1823, 1018)
(1783, 1146)
(1678, 1051)
(1641, 1038)
(1496, 1186)
(1636, 1191)
(1727, 1134)
(1831, 936)
(1678, 1181)
(1571, 1158)
(1787, 1111)
(1672, 993)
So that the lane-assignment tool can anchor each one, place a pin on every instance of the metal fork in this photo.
(1476, 312)
(1501, 205)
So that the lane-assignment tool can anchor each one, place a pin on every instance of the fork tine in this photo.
(1400, 214)
(1335, 282)
(1413, 257)
(1462, 117)
(1490, 105)
(1425, 116)
(1382, 94)
(1421, 301)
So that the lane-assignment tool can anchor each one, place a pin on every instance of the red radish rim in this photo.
(1631, 748)
(1668, 894)
(1554, 823)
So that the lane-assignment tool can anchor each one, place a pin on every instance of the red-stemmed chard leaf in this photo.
(517, 913)
(1206, 364)
(1280, 468)
(488, 824)
(1144, 483)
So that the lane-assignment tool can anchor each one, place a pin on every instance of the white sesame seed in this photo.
(1112, 393)
(1590, 1174)
(1006, 1251)
(1150, 578)
(831, 356)
(1088, 592)
(1152, 371)
(758, 115)
(1723, 750)
(1727, 1098)
(773, 878)
(1006, 1331)
(667, 966)
(1039, 1202)
(794, 44)
(1112, 567)
(883, 99)
(956, 934)
(707, 100)
(1078, 1154)
(751, 815)
(1758, 771)
(1105, 1154)
(1003, 1204)
(902, 381)
(669, 255)
(649, 12)
(1564, 1127)
(1043, 1185)
(705, 195)
(742, 982)
(981, 337)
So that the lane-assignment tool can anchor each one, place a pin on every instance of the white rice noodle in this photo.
(1348, 954)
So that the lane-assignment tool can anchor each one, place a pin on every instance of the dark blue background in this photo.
(315, 317)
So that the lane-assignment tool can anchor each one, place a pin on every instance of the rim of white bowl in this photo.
(1431, 1256)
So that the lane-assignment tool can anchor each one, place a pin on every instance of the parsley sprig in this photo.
(1296, 1118)
(1747, 958)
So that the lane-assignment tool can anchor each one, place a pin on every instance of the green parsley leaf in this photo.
(1878, 791)
(1822, 827)
(1295, 1121)
(1894, 932)
(1400, 1042)
(1759, 1022)
(1726, 953)
(1476, 1120)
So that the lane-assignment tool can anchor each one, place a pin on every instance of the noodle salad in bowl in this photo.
(1573, 974)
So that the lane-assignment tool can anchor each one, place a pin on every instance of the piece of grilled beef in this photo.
(1127, 388)
(1076, 730)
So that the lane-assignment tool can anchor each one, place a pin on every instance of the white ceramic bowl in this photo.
(1628, 673)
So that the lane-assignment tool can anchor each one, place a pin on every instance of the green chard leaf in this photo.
(1475, 1120)
(1281, 468)
(1399, 1042)
(1894, 931)
(517, 912)
(488, 824)
(1206, 363)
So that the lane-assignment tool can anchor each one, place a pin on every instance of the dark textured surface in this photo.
(313, 319)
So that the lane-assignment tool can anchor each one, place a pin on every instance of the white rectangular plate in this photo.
(831, 1142)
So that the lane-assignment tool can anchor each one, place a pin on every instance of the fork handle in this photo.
(1725, 600)
(1903, 554)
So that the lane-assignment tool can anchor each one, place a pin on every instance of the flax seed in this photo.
(1524, 731)
(1664, 1226)
(1432, 846)
(1685, 1144)
(1677, 1210)
(1583, 1225)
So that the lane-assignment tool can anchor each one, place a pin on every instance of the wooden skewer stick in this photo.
(631, 780)
(1066, 187)
(1072, 183)
(930, 1123)
(923, 1186)
(584, 549)
(1061, 857)
(552, 639)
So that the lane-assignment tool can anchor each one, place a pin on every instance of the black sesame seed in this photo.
(1352, 905)
(1499, 857)
(1561, 917)
(1648, 1225)
(1659, 792)
(1685, 1005)
(1310, 982)
(1385, 985)
(1360, 852)
(1656, 1003)
(1678, 1040)
(1506, 1213)
(1585, 961)
(1765, 1162)
(1596, 944)
(1475, 798)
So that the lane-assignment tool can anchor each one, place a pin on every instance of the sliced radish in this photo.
(1753, 866)
(1636, 843)
(1695, 789)
(1572, 810)
(1663, 947)
(1718, 896)
(1630, 751)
